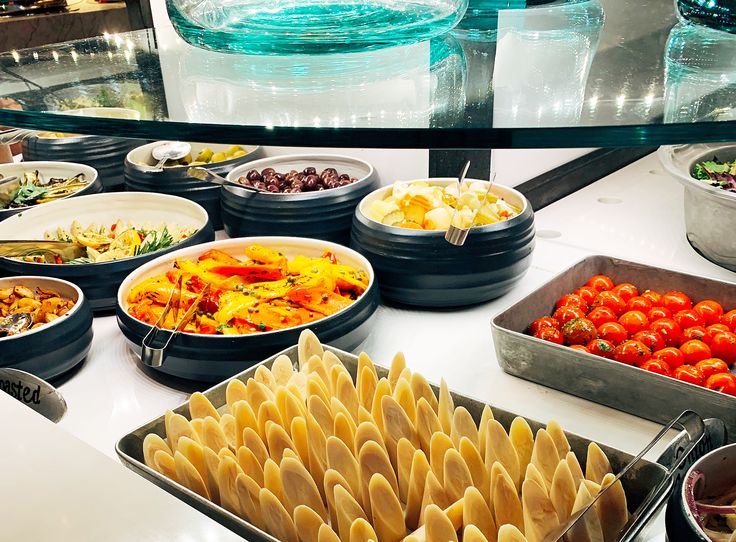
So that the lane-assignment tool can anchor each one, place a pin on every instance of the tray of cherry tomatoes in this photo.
(644, 340)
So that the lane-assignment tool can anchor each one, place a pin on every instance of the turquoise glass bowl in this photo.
(282, 27)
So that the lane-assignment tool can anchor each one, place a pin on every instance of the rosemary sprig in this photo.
(154, 242)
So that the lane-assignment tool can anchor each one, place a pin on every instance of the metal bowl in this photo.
(322, 215)
(139, 176)
(213, 358)
(100, 281)
(49, 169)
(418, 267)
(709, 211)
(54, 348)
(719, 467)
(105, 154)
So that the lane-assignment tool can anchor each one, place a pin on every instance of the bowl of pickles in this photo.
(401, 230)
(27, 184)
(172, 178)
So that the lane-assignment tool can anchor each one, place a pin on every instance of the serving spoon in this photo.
(206, 175)
(171, 150)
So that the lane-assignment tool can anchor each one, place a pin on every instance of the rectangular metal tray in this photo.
(637, 483)
(623, 387)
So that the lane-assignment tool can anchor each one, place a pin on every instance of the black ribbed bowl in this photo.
(100, 281)
(322, 215)
(47, 170)
(175, 181)
(420, 268)
(54, 348)
(213, 358)
(105, 154)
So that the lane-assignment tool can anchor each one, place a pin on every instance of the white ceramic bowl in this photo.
(100, 281)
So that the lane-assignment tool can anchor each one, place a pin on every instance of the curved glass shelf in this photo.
(566, 73)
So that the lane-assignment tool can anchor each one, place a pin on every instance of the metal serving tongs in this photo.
(158, 340)
(457, 234)
(16, 248)
(694, 426)
(208, 176)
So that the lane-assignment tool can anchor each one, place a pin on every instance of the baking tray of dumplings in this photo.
(638, 483)
(607, 382)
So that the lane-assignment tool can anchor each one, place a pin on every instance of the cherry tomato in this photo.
(657, 366)
(688, 373)
(639, 303)
(669, 330)
(658, 312)
(601, 315)
(654, 297)
(712, 366)
(564, 314)
(676, 301)
(723, 382)
(716, 328)
(710, 310)
(688, 318)
(600, 283)
(550, 334)
(723, 346)
(544, 321)
(601, 347)
(579, 331)
(695, 351)
(572, 300)
(612, 301)
(698, 333)
(632, 353)
(580, 347)
(651, 339)
(671, 356)
(626, 290)
(729, 319)
(612, 332)
(588, 293)
(634, 321)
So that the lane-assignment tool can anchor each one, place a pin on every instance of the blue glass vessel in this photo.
(311, 26)
(720, 14)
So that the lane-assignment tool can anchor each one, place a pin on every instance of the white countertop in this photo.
(110, 395)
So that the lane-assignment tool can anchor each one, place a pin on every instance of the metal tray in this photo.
(623, 387)
(637, 483)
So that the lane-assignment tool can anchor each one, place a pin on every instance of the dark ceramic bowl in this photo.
(54, 348)
(213, 358)
(105, 154)
(322, 215)
(719, 467)
(100, 281)
(140, 177)
(47, 170)
(418, 267)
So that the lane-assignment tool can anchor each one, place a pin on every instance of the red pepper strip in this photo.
(196, 284)
(242, 322)
(261, 272)
(331, 256)
(206, 329)
(210, 303)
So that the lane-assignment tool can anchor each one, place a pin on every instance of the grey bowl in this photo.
(105, 154)
(213, 358)
(417, 267)
(322, 215)
(49, 169)
(719, 467)
(709, 211)
(140, 177)
(100, 281)
(57, 347)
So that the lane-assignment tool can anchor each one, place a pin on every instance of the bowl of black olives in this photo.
(305, 195)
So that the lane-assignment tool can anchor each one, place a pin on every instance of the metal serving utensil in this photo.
(34, 392)
(206, 175)
(170, 150)
(14, 323)
(158, 340)
(456, 234)
(14, 248)
(688, 421)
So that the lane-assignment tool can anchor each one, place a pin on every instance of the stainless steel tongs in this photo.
(694, 426)
(158, 340)
(457, 234)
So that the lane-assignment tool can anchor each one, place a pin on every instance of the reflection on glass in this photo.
(700, 74)
(413, 86)
(720, 14)
(543, 58)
